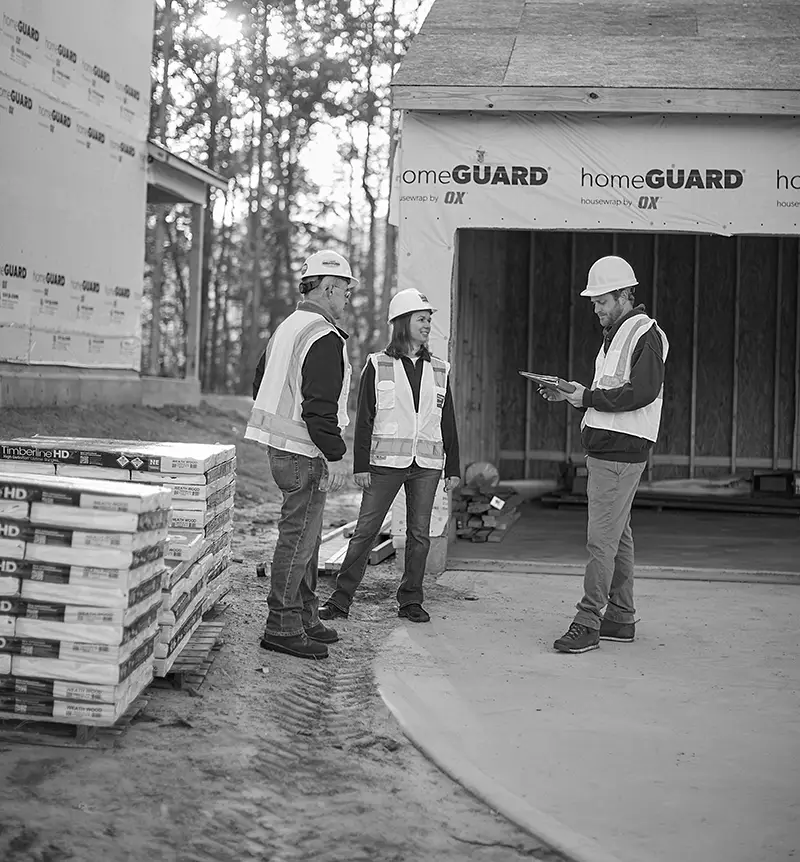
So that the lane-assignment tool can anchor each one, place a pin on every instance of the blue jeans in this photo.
(608, 581)
(420, 484)
(293, 603)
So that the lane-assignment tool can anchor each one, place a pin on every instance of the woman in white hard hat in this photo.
(405, 437)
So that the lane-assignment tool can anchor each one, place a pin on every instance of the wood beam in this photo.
(695, 338)
(776, 389)
(642, 100)
(573, 253)
(194, 305)
(529, 390)
(736, 326)
(557, 456)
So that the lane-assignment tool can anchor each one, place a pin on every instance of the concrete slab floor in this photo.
(684, 745)
(667, 538)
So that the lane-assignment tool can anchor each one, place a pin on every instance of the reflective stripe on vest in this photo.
(613, 370)
(275, 419)
(402, 434)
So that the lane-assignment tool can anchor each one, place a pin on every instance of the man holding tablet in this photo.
(622, 415)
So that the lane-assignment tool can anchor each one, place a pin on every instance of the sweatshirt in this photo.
(647, 378)
(322, 379)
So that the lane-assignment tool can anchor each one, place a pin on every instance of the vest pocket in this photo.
(385, 395)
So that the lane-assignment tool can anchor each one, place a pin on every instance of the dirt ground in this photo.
(274, 758)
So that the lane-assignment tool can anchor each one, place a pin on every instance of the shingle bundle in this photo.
(81, 575)
(202, 479)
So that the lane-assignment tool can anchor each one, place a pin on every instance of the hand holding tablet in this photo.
(549, 381)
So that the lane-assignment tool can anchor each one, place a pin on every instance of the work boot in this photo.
(578, 639)
(415, 613)
(331, 612)
(621, 632)
(299, 646)
(322, 634)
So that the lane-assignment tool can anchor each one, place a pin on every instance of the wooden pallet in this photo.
(191, 667)
(62, 733)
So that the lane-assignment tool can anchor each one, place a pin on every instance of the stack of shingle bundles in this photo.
(202, 522)
(202, 480)
(199, 544)
(82, 569)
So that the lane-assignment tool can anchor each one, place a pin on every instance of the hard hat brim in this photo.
(595, 291)
(413, 311)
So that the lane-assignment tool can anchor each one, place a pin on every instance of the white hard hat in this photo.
(327, 263)
(607, 274)
(406, 301)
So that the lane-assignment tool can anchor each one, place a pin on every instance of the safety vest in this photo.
(612, 369)
(400, 433)
(277, 416)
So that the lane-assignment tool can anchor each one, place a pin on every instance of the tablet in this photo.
(549, 381)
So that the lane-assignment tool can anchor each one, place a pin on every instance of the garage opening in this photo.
(721, 486)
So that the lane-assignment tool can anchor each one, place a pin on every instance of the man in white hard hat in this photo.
(621, 419)
(301, 387)
(405, 437)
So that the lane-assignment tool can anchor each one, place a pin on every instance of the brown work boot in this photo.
(299, 646)
(322, 634)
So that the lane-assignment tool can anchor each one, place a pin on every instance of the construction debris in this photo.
(485, 514)
(334, 547)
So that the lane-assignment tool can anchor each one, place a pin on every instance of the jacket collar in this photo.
(310, 305)
(610, 331)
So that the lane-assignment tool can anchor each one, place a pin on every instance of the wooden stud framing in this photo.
(529, 385)
(796, 441)
(695, 329)
(776, 402)
(571, 336)
(193, 311)
(735, 400)
(659, 460)
(654, 283)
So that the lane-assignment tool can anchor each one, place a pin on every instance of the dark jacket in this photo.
(365, 418)
(322, 378)
(647, 378)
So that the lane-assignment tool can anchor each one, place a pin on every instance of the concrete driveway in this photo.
(682, 746)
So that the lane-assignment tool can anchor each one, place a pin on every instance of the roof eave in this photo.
(616, 100)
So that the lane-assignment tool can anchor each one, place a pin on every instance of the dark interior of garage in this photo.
(729, 307)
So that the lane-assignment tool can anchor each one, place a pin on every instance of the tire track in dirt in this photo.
(334, 780)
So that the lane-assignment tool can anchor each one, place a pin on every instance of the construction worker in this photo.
(405, 437)
(300, 388)
(621, 418)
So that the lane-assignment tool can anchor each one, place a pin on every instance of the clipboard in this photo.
(549, 381)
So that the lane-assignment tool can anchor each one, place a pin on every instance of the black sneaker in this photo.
(415, 613)
(621, 632)
(578, 639)
(322, 634)
(331, 612)
(297, 645)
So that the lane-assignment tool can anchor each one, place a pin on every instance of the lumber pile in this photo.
(201, 479)
(333, 547)
(81, 574)
(485, 513)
